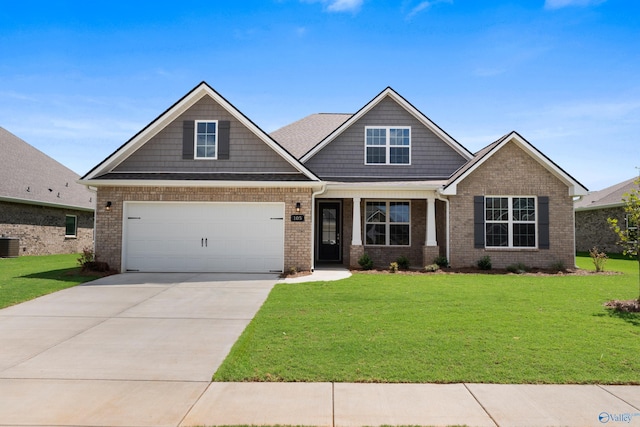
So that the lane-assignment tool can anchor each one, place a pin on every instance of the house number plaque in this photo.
(297, 218)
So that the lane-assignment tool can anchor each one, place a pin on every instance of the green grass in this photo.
(445, 329)
(28, 277)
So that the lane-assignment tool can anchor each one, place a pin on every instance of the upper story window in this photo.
(510, 222)
(386, 145)
(206, 139)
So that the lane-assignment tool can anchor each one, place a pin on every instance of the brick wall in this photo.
(592, 229)
(511, 171)
(297, 251)
(41, 229)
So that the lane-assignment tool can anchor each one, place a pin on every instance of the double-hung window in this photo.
(387, 223)
(510, 222)
(632, 228)
(70, 226)
(206, 139)
(385, 145)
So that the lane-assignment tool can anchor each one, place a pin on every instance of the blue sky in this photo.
(78, 79)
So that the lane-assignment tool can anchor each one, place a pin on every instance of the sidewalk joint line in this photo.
(333, 404)
(481, 405)
(618, 397)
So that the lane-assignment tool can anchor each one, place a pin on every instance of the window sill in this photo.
(511, 249)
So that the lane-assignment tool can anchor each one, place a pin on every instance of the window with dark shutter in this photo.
(224, 127)
(543, 222)
(478, 222)
(187, 139)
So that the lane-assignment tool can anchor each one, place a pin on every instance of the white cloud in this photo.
(424, 5)
(558, 4)
(339, 5)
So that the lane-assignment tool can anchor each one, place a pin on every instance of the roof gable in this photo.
(301, 136)
(575, 188)
(29, 176)
(116, 161)
(388, 92)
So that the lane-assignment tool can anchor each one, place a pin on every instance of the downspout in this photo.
(446, 201)
(313, 222)
(575, 199)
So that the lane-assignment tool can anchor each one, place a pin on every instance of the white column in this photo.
(356, 227)
(430, 238)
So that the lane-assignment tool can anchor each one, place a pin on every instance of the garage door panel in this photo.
(216, 237)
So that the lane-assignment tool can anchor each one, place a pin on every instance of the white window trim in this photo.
(387, 145)
(195, 140)
(387, 223)
(510, 222)
(75, 217)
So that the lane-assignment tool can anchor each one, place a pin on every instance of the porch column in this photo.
(356, 227)
(430, 238)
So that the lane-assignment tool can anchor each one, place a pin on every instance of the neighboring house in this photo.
(592, 211)
(41, 203)
(202, 188)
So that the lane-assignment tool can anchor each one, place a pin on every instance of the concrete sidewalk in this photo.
(340, 404)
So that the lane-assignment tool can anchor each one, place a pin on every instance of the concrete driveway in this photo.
(131, 349)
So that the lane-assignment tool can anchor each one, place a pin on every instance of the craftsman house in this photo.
(203, 188)
(43, 210)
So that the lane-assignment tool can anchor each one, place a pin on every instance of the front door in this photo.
(329, 227)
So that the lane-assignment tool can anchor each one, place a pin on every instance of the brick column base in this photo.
(355, 252)
(429, 253)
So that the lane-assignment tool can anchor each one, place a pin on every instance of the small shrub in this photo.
(558, 266)
(86, 256)
(393, 267)
(431, 268)
(441, 261)
(293, 271)
(517, 268)
(599, 259)
(365, 262)
(484, 263)
(403, 262)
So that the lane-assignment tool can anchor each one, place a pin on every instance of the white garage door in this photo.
(203, 237)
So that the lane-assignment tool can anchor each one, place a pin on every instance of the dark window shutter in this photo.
(478, 222)
(543, 222)
(223, 139)
(188, 139)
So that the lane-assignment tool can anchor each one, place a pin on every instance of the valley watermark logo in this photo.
(622, 417)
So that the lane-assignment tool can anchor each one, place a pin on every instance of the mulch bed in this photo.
(628, 306)
(475, 270)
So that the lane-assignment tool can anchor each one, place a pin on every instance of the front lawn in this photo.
(28, 277)
(445, 328)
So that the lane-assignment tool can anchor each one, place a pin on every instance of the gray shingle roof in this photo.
(301, 136)
(30, 176)
(608, 197)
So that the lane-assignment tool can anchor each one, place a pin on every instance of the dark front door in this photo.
(329, 227)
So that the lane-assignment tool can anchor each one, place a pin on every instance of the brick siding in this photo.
(41, 229)
(592, 229)
(297, 251)
(511, 171)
